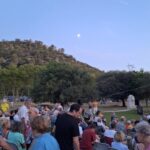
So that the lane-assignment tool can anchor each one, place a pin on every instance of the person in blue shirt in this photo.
(118, 141)
(43, 140)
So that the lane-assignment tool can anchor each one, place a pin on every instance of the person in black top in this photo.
(67, 130)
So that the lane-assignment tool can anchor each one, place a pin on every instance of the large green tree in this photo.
(63, 82)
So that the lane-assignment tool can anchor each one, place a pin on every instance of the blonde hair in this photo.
(5, 123)
(119, 136)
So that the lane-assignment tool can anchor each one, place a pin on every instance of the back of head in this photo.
(75, 107)
(98, 112)
(40, 124)
(91, 125)
(16, 127)
(27, 102)
(5, 123)
(143, 127)
(113, 125)
(123, 118)
(119, 136)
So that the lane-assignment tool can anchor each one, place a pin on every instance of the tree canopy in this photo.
(46, 73)
(63, 82)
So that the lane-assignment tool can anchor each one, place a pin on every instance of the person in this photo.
(33, 112)
(23, 112)
(4, 106)
(143, 135)
(5, 127)
(113, 116)
(42, 139)
(110, 133)
(118, 141)
(120, 126)
(88, 137)
(16, 137)
(67, 130)
(23, 115)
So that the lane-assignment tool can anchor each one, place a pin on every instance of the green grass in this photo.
(130, 115)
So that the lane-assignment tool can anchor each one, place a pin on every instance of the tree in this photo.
(63, 82)
(118, 85)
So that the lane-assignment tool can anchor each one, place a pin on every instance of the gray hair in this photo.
(143, 127)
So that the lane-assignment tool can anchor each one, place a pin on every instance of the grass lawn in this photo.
(130, 115)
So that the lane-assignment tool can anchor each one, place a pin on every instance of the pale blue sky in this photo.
(114, 33)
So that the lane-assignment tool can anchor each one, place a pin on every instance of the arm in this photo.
(5, 145)
(76, 143)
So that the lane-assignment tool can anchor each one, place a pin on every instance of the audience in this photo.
(30, 128)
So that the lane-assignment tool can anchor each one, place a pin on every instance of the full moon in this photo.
(78, 35)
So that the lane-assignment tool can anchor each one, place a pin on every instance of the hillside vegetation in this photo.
(44, 72)
(18, 53)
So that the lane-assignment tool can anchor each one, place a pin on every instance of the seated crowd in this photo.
(72, 128)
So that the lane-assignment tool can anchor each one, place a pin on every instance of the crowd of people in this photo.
(72, 128)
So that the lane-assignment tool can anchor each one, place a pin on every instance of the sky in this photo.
(106, 34)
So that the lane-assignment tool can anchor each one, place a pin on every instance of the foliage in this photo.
(118, 85)
(63, 82)
(18, 53)
(17, 81)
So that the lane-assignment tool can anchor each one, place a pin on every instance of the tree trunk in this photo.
(146, 102)
(13, 92)
(17, 94)
(123, 103)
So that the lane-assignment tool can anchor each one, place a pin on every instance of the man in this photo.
(23, 112)
(67, 130)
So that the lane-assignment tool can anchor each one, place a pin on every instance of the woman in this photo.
(118, 141)
(143, 135)
(88, 137)
(42, 138)
(16, 137)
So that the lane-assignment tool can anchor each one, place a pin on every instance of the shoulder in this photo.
(119, 145)
(46, 138)
(44, 141)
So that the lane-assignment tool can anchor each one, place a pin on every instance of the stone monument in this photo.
(131, 102)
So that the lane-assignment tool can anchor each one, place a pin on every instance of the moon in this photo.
(78, 35)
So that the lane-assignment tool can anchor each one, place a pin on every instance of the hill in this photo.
(18, 53)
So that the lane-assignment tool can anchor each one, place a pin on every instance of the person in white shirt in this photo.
(23, 114)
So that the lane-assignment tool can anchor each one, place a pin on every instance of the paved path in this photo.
(122, 110)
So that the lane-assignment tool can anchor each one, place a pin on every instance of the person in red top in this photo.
(88, 138)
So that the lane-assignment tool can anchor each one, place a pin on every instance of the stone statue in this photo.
(131, 102)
